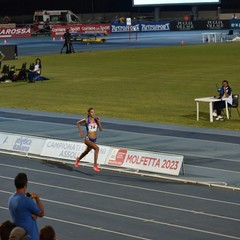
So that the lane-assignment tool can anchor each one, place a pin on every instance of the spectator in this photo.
(23, 209)
(38, 66)
(18, 234)
(36, 26)
(34, 70)
(47, 233)
(2, 56)
(5, 229)
(47, 25)
(226, 93)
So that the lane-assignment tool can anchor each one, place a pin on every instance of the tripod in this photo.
(68, 45)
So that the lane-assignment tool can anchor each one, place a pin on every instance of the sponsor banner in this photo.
(216, 25)
(182, 26)
(96, 28)
(21, 143)
(59, 30)
(27, 144)
(15, 32)
(145, 161)
(6, 141)
(153, 27)
(199, 25)
(235, 24)
(120, 28)
(141, 27)
(71, 150)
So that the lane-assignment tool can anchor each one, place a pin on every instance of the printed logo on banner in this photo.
(15, 32)
(155, 27)
(185, 26)
(22, 144)
(70, 150)
(215, 25)
(145, 161)
(235, 24)
(117, 157)
(5, 142)
(125, 28)
(59, 30)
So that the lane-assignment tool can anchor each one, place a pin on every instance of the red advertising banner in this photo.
(59, 30)
(15, 32)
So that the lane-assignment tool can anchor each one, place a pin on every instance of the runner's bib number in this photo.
(92, 127)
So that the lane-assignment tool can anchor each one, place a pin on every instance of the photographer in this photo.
(68, 42)
(24, 211)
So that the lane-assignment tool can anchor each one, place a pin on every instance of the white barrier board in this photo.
(71, 150)
(6, 141)
(117, 157)
(21, 143)
(145, 161)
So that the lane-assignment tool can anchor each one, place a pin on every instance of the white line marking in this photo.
(215, 169)
(130, 200)
(163, 136)
(122, 185)
(91, 227)
(142, 219)
(97, 228)
(209, 157)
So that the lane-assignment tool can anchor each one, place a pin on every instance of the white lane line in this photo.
(131, 200)
(142, 219)
(212, 158)
(122, 185)
(175, 137)
(213, 169)
(125, 131)
(91, 227)
(98, 228)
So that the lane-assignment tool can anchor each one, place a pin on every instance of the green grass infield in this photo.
(154, 84)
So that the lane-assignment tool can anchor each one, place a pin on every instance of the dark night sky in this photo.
(21, 7)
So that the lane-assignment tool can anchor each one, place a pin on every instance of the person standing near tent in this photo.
(92, 124)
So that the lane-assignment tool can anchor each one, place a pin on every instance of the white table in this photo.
(211, 100)
(211, 36)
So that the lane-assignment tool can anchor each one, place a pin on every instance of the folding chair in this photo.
(5, 69)
(229, 35)
(235, 104)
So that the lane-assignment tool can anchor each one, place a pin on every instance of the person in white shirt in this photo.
(38, 66)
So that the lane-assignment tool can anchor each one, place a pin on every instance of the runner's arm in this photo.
(99, 123)
(79, 126)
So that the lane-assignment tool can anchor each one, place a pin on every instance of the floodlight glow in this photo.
(171, 2)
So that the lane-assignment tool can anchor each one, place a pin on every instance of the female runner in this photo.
(92, 124)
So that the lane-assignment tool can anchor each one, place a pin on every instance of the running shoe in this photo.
(96, 168)
(77, 162)
(214, 114)
(219, 118)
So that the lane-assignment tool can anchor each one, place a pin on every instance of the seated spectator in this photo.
(5, 229)
(224, 93)
(31, 73)
(18, 233)
(47, 233)
(38, 66)
(22, 75)
(12, 75)
(35, 70)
